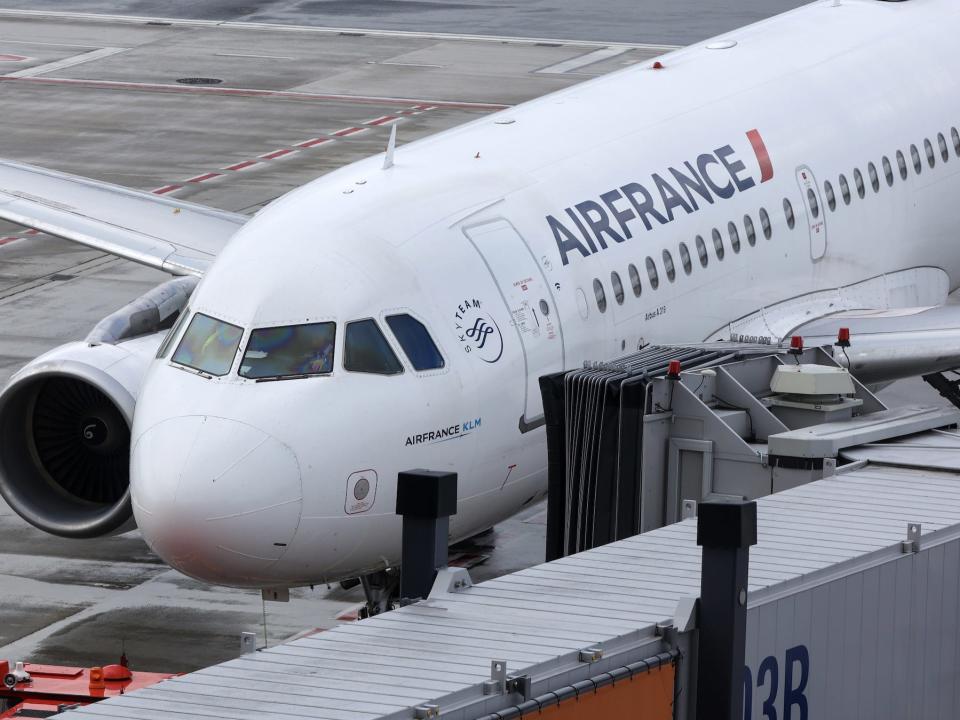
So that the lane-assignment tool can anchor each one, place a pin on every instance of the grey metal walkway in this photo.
(538, 620)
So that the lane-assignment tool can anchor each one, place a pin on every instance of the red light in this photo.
(843, 335)
(674, 369)
(658, 65)
(796, 343)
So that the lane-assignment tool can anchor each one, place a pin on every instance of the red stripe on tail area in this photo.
(763, 157)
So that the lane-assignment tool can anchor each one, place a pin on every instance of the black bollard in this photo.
(426, 500)
(725, 530)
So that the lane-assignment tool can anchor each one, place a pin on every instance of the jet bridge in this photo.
(636, 443)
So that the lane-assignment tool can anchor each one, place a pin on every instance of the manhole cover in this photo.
(199, 81)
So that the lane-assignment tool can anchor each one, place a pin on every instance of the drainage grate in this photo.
(199, 81)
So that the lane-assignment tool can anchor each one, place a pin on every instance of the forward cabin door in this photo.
(816, 212)
(526, 293)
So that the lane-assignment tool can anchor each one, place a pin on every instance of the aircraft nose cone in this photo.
(217, 499)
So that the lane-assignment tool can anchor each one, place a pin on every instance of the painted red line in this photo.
(348, 131)
(381, 120)
(253, 92)
(241, 165)
(276, 154)
(166, 189)
(8, 240)
(313, 143)
(32, 232)
(204, 177)
(763, 157)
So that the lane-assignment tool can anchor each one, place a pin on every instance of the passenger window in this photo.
(172, 333)
(718, 244)
(734, 236)
(858, 181)
(652, 274)
(765, 223)
(668, 266)
(685, 259)
(813, 202)
(955, 135)
(702, 251)
(788, 213)
(289, 351)
(600, 295)
(209, 345)
(751, 230)
(888, 171)
(915, 156)
(416, 342)
(366, 350)
(844, 189)
(874, 178)
(831, 196)
(617, 287)
(944, 151)
(902, 165)
(634, 279)
(931, 158)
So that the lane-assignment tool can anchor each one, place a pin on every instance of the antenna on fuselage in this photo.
(391, 146)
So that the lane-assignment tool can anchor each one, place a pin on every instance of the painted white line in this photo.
(67, 62)
(399, 64)
(8, 41)
(266, 57)
(140, 19)
(583, 60)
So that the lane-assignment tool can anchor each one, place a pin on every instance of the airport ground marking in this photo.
(255, 93)
(262, 160)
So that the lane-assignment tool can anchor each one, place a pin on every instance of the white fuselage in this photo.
(495, 236)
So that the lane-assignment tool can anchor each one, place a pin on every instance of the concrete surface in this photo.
(651, 21)
(123, 117)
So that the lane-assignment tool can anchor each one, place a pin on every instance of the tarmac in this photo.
(101, 97)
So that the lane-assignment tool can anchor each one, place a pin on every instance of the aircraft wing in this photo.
(178, 237)
(891, 344)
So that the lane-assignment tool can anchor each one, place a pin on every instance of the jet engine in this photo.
(65, 421)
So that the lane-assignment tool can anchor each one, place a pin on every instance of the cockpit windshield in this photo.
(209, 345)
(289, 351)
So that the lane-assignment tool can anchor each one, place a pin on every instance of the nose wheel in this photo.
(382, 590)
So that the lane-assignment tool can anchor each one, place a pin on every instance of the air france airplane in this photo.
(397, 313)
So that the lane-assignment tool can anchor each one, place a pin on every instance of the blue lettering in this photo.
(692, 182)
(671, 198)
(599, 222)
(566, 242)
(630, 191)
(724, 191)
(735, 168)
(794, 694)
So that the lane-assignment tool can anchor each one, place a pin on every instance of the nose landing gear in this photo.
(382, 590)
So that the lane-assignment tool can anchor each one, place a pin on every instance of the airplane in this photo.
(250, 416)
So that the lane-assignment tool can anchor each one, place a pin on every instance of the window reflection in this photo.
(289, 351)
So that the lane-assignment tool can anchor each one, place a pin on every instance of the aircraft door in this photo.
(527, 295)
(816, 212)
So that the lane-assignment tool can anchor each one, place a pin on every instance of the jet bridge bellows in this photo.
(633, 446)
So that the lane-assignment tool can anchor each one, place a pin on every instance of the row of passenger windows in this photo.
(903, 166)
(750, 230)
(210, 346)
(734, 237)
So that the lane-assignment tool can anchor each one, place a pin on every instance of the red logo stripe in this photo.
(763, 157)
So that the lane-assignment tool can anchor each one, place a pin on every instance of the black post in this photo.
(552, 390)
(426, 500)
(725, 530)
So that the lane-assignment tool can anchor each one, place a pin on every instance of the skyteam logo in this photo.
(478, 332)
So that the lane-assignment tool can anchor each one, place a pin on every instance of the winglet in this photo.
(391, 146)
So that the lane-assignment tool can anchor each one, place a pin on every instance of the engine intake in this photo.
(65, 440)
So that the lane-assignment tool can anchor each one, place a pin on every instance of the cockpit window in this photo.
(366, 350)
(289, 351)
(209, 345)
(172, 333)
(416, 342)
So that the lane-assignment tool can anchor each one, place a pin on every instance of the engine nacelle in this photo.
(65, 437)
